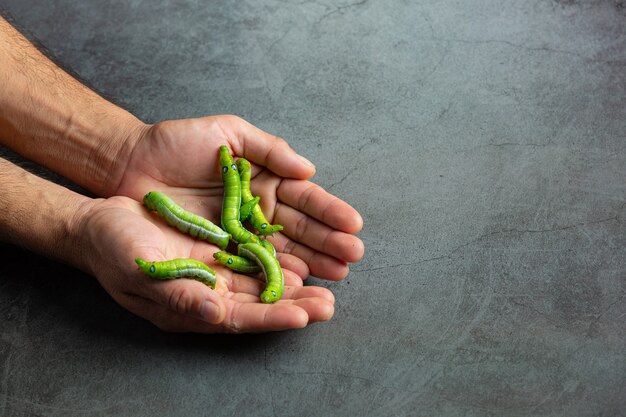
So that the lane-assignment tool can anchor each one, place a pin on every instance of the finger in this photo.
(302, 228)
(265, 149)
(164, 318)
(240, 317)
(256, 317)
(318, 309)
(290, 295)
(186, 297)
(293, 263)
(320, 265)
(299, 293)
(255, 285)
(313, 200)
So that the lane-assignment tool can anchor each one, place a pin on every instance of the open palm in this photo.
(180, 158)
(119, 229)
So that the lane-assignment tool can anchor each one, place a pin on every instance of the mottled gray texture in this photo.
(484, 144)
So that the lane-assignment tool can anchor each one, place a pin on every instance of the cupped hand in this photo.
(180, 158)
(118, 230)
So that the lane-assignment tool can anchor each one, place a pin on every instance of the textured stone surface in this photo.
(484, 144)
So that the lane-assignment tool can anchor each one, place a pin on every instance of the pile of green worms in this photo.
(254, 252)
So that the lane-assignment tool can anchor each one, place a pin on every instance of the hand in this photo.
(117, 230)
(180, 158)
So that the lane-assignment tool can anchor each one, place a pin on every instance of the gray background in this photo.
(484, 143)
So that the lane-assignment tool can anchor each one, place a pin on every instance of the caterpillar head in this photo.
(269, 296)
(147, 267)
(226, 160)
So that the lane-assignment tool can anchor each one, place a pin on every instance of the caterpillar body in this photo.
(178, 268)
(246, 208)
(271, 268)
(232, 200)
(237, 263)
(257, 218)
(268, 246)
(185, 221)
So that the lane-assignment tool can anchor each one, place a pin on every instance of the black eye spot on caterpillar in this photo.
(237, 263)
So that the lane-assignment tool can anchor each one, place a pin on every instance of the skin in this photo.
(53, 120)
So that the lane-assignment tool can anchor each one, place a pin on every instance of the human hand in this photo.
(117, 230)
(180, 158)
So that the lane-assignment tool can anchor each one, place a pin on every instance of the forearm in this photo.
(41, 216)
(49, 117)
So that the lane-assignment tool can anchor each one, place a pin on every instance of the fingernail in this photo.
(210, 312)
(306, 161)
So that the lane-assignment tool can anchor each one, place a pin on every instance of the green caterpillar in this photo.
(237, 263)
(178, 268)
(185, 221)
(271, 268)
(257, 218)
(246, 208)
(268, 246)
(232, 200)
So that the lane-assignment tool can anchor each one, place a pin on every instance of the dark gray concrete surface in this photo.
(484, 143)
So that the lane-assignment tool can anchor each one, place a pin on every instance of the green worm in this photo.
(178, 268)
(257, 218)
(237, 263)
(268, 246)
(271, 268)
(246, 208)
(185, 221)
(232, 200)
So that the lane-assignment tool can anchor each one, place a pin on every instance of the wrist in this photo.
(42, 216)
(49, 117)
(109, 145)
(75, 247)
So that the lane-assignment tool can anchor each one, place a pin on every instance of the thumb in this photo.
(266, 150)
(188, 297)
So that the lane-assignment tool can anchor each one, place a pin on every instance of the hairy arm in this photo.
(41, 216)
(49, 117)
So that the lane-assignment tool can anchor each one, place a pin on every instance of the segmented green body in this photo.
(232, 200)
(246, 208)
(271, 268)
(178, 268)
(185, 221)
(257, 218)
(237, 263)
(268, 246)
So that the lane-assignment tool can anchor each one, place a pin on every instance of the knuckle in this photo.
(233, 120)
(233, 325)
(181, 300)
(305, 197)
(289, 247)
(301, 227)
(278, 141)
